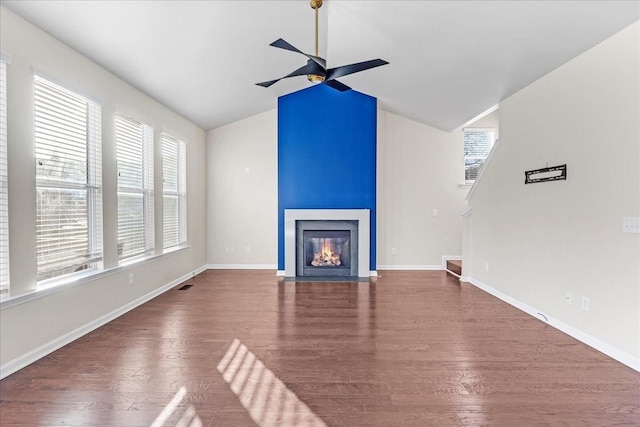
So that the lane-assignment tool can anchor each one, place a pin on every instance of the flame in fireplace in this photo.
(326, 248)
(326, 257)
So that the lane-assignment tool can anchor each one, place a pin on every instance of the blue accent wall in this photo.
(326, 155)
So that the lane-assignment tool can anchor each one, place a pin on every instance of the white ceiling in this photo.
(449, 60)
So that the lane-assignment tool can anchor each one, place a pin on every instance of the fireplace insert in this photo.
(326, 248)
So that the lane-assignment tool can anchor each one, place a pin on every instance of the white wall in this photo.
(543, 240)
(491, 120)
(420, 169)
(242, 193)
(31, 328)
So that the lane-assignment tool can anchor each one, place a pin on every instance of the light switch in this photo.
(434, 212)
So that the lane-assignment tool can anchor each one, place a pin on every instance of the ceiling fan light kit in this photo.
(316, 68)
(315, 78)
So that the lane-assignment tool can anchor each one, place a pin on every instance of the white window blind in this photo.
(477, 145)
(174, 193)
(68, 181)
(4, 191)
(134, 147)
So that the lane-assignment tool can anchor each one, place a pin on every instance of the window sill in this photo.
(175, 248)
(54, 286)
(466, 185)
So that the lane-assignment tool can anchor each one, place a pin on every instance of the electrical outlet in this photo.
(568, 299)
(394, 251)
(247, 249)
(228, 250)
(131, 278)
(434, 212)
(585, 303)
(631, 224)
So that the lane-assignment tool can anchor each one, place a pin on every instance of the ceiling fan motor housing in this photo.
(315, 78)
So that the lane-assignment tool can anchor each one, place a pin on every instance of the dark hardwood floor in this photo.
(239, 348)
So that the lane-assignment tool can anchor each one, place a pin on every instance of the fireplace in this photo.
(326, 248)
(332, 225)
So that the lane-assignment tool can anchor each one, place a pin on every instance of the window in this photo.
(134, 154)
(68, 181)
(174, 194)
(477, 144)
(4, 191)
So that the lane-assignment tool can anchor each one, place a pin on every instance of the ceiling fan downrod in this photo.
(315, 5)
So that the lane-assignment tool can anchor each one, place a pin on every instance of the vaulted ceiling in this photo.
(449, 60)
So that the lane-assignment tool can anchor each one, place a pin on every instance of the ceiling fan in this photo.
(316, 68)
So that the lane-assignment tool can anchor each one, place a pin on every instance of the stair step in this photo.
(454, 266)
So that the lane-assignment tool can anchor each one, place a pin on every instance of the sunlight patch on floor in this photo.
(265, 397)
(188, 419)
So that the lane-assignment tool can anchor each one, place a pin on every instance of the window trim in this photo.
(62, 283)
(92, 182)
(5, 274)
(492, 143)
(181, 191)
(146, 190)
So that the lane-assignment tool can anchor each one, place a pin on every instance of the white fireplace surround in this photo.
(293, 215)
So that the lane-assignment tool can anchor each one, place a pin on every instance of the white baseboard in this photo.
(411, 267)
(591, 341)
(38, 353)
(196, 272)
(280, 273)
(242, 266)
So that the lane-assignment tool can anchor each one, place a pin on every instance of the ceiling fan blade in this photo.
(334, 73)
(268, 83)
(310, 68)
(337, 85)
(282, 44)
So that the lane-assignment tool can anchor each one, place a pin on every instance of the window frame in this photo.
(145, 190)
(492, 142)
(91, 184)
(5, 278)
(179, 193)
